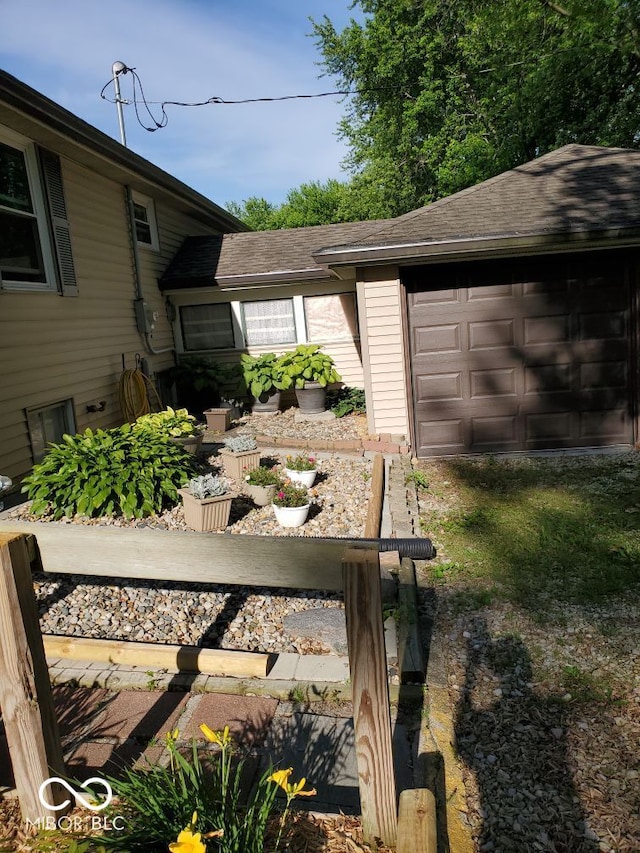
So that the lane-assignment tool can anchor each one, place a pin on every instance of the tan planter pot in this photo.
(207, 514)
(218, 420)
(191, 443)
(236, 465)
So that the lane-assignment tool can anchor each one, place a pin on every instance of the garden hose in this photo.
(135, 392)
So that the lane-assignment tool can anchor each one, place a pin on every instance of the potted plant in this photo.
(197, 380)
(239, 454)
(231, 385)
(265, 378)
(177, 425)
(311, 371)
(261, 484)
(301, 469)
(291, 504)
(206, 502)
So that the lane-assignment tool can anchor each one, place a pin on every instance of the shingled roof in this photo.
(255, 256)
(575, 191)
(578, 195)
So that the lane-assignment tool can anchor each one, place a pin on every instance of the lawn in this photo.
(537, 530)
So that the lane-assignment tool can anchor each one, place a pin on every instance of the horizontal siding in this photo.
(381, 325)
(72, 348)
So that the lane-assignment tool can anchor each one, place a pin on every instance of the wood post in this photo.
(417, 828)
(374, 510)
(371, 714)
(410, 656)
(25, 691)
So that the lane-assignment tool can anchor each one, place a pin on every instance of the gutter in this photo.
(475, 247)
(229, 282)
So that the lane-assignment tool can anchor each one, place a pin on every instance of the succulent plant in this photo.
(239, 443)
(208, 486)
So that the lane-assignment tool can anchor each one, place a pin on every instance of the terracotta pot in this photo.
(311, 399)
(236, 465)
(261, 495)
(291, 516)
(206, 514)
(307, 478)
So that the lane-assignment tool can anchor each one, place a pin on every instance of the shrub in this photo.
(346, 401)
(108, 472)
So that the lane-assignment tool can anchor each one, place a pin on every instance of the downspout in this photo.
(139, 304)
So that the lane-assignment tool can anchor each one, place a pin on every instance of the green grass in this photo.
(542, 530)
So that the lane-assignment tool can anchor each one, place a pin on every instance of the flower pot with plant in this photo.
(301, 469)
(177, 425)
(311, 371)
(206, 502)
(239, 455)
(197, 380)
(261, 484)
(291, 505)
(265, 379)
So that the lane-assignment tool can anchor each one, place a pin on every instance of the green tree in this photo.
(450, 92)
(313, 203)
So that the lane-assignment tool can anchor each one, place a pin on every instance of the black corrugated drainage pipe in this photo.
(416, 549)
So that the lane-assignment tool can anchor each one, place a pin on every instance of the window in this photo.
(207, 326)
(35, 245)
(48, 424)
(331, 317)
(144, 221)
(269, 322)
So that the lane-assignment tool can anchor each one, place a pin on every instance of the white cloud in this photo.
(190, 51)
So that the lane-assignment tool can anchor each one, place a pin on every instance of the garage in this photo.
(520, 355)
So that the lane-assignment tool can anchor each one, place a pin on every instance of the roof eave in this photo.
(229, 282)
(478, 247)
(18, 95)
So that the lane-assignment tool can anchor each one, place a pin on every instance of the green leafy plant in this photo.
(291, 495)
(198, 799)
(208, 486)
(307, 363)
(108, 472)
(301, 463)
(418, 478)
(346, 401)
(263, 476)
(171, 422)
(264, 374)
(240, 443)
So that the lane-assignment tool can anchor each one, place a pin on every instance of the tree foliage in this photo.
(451, 92)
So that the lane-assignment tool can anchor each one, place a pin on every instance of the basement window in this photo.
(47, 425)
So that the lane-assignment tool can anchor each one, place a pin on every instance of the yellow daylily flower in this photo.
(221, 738)
(172, 736)
(291, 789)
(188, 842)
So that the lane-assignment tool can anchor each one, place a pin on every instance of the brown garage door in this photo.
(511, 358)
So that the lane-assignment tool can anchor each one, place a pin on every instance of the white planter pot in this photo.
(260, 495)
(307, 478)
(291, 516)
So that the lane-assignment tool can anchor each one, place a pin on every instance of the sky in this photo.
(192, 50)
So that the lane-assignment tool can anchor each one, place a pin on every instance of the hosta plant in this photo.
(173, 423)
(108, 472)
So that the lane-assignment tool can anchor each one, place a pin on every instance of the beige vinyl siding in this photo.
(379, 307)
(346, 354)
(57, 348)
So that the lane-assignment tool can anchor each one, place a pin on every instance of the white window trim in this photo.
(21, 143)
(152, 222)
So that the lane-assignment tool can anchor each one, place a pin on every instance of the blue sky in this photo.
(191, 50)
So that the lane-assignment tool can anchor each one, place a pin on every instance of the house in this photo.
(502, 318)
(87, 228)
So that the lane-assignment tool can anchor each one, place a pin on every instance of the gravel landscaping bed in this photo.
(214, 616)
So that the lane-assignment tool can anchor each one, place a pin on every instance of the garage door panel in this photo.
(496, 382)
(439, 386)
(522, 361)
(491, 334)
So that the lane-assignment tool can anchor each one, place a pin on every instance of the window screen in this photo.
(206, 327)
